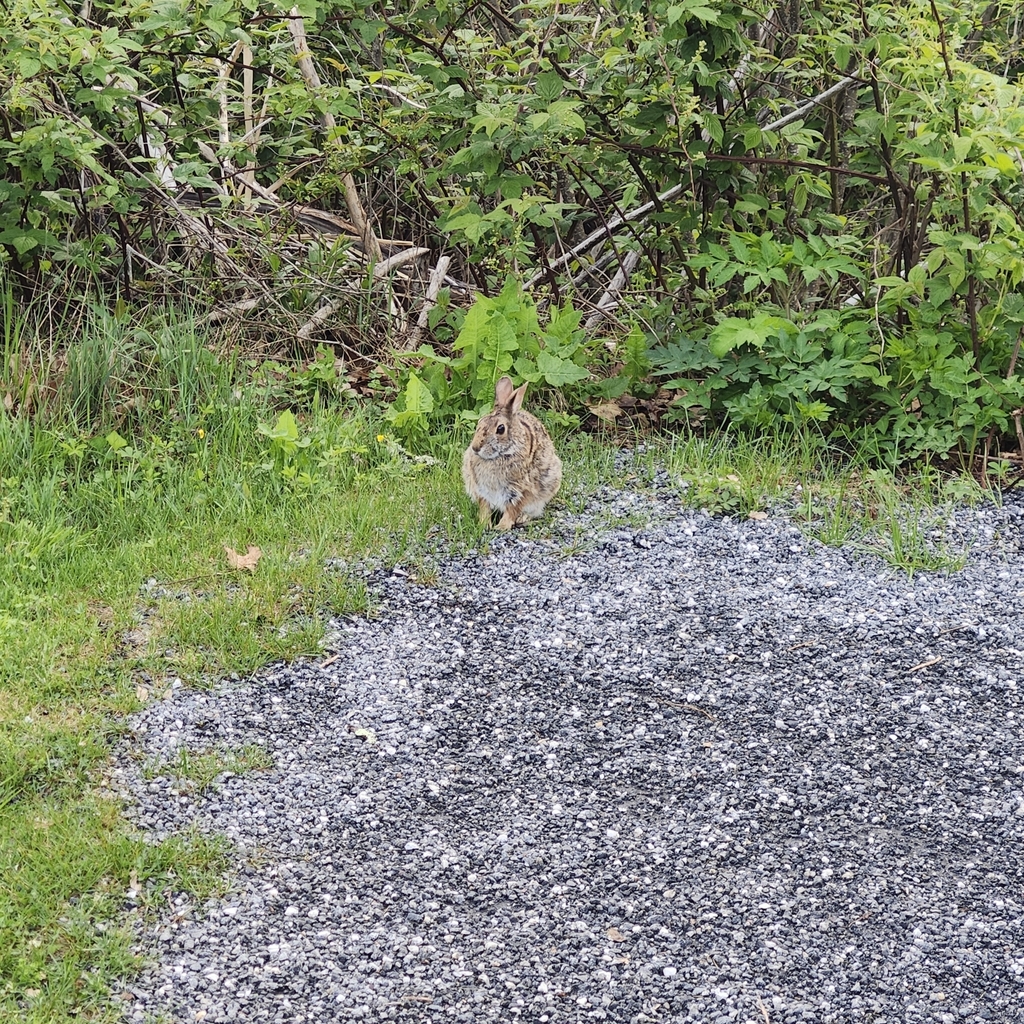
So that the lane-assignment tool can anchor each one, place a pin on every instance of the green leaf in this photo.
(284, 429)
(961, 147)
(549, 86)
(558, 371)
(637, 362)
(735, 331)
(418, 398)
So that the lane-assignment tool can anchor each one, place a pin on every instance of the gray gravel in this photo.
(703, 771)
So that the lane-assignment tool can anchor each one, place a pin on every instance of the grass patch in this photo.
(837, 498)
(114, 582)
(202, 768)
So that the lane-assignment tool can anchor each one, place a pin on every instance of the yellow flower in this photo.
(200, 433)
(381, 438)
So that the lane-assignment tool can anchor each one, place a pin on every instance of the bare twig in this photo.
(806, 108)
(323, 314)
(1016, 352)
(610, 298)
(221, 91)
(384, 267)
(307, 69)
(1017, 414)
(233, 310)
(429, 301)
(396, 95)
(605, 231)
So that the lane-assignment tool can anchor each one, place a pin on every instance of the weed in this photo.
(202, 768)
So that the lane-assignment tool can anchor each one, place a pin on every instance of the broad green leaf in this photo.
(418, 398)
(558, 371)
(961, 147)
(286, 428)
(475, 325)
(549, 86)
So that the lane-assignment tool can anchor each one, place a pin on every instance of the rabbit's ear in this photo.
(517, 397)
(502, 392)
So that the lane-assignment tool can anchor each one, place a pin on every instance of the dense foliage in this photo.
(805, 212)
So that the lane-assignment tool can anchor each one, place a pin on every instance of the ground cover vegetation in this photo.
(261, 266)
(708, 211)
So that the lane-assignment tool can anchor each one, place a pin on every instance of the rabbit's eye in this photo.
(501, 428)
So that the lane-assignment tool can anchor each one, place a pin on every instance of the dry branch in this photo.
(437, 276)
(307, 69)
(610, 299)
(814, 101)
(384, 267)
(605, 231)
(323, 314)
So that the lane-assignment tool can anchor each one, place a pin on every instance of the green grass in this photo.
(90, 513)
(837, 498)
(116, 504)
(201, 768)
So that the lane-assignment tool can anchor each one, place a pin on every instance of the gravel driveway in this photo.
(703, 771)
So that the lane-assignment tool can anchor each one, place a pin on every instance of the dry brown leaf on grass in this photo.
(607, 411)
(247, 561)
(143, 693)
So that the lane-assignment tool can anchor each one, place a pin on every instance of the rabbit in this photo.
(511, 466)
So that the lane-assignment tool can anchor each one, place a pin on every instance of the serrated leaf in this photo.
(637, 363)
(706, 14)
(418, 399)
(549, 86)
(474, 326)
(557, 371)
(713, 126)
(735, 331)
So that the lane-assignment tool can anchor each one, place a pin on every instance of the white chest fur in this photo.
(496, 495)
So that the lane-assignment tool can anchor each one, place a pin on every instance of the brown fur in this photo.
(511, 466)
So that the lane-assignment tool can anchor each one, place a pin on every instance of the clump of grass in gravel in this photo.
(838, 498)
(201, 768)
